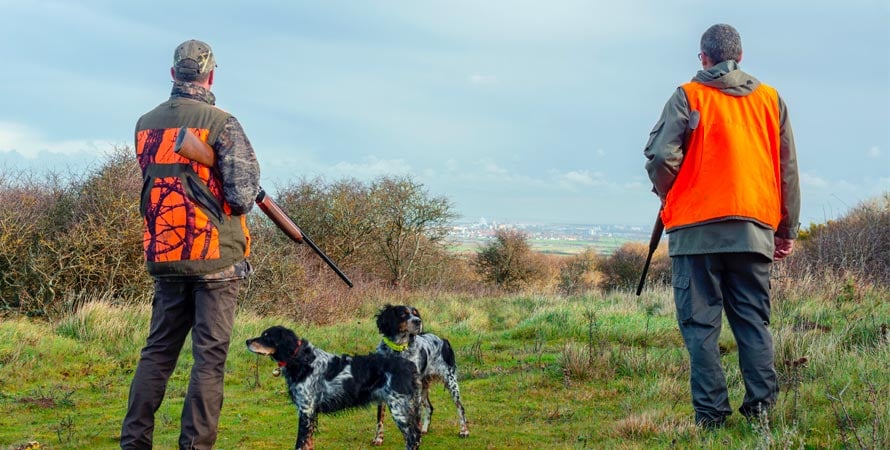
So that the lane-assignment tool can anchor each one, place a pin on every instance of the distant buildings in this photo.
(543, 237)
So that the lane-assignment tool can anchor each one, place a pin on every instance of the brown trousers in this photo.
(207, 309)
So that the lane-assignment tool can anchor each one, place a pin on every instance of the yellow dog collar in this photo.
(394, 346)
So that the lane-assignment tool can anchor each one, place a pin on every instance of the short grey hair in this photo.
(721, 43)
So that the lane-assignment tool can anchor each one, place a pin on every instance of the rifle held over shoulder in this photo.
(189, 146)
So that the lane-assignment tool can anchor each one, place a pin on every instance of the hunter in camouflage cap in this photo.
(193, 60)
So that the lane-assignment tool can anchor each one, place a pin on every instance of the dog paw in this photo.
(464, 433)
(377, 441)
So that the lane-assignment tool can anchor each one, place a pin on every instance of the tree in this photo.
(409, 224)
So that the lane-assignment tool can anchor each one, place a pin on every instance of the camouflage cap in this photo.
(194, 58)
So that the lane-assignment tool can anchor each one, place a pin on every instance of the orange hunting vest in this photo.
(731, 168)
(189, 227)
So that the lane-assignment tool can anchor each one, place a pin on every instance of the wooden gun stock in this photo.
(190, 146)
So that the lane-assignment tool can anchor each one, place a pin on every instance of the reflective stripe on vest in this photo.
(731, 167)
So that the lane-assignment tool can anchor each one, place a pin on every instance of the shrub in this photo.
(509, 262)
(857, 244)
(64, 236)
(622, 269)
(578, 273)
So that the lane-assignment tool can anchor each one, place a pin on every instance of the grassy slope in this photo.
(536, 372)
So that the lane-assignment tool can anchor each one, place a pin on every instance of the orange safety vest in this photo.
(731, 167)
(189, 227)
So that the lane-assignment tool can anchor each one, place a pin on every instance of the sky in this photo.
(517, 111)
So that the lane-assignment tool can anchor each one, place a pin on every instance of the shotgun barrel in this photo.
(657, 230)
(190, 146)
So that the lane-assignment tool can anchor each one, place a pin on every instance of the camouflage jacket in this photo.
(238, 168)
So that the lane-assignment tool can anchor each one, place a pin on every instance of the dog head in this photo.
(278, 342)
(400, 323)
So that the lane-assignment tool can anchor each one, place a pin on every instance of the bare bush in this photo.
(578, 273)
(410, 225)
(63, 235)
(392, 227)
(509, 261)
(622, 269)
(338, 214)
(857, 244)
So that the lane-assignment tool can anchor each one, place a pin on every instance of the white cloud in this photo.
(371, 167)
(810, 180)
(579, 177)
(478, 78)
(874, 152)
(30, 143)
(494, 169)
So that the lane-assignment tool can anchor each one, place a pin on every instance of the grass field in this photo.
(540, 372)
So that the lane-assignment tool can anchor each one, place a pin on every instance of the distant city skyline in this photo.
(517, 110)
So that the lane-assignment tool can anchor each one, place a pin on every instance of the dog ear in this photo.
(387, 321)
(284, 339)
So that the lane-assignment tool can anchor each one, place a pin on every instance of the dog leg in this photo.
(378, 438)
(451, 384)
(304, 432)
(426, 408)
(405, 410)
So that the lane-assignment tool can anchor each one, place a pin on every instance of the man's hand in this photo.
(783, 248)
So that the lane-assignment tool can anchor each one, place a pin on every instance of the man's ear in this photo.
(173, 73)
(740, 57)
(210, 78)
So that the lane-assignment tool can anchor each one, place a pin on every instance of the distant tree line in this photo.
(67, 237)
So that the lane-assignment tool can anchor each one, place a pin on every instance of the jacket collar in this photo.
(184, 89)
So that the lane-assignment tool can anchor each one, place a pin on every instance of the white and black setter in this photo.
(320, 382)
(402, 330)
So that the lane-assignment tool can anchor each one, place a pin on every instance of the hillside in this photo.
(540, 372)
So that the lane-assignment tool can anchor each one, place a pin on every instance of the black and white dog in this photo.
(402, 330)
(318, 381)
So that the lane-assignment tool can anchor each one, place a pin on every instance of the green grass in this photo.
(537, 372)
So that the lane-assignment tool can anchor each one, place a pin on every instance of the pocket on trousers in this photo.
(682, 298)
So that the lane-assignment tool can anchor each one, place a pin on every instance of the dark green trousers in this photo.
(704, 287)
(207, 310)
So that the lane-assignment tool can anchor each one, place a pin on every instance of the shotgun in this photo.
(658, 229)
(189, 146)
